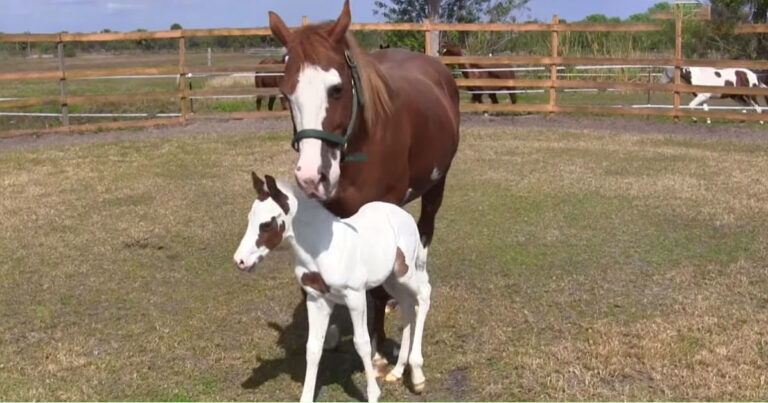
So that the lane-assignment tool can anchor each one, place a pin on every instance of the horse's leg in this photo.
(355, 301)
(753, 101)
(430, 204)
(380, 298)
(271, 103)
(283, 103)
(706, 109)
(513, 96)
(258, 102)
(415, 359)
(318, 311)
(494, 99)
(696, 101)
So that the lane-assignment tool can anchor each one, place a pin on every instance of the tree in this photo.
(450, 11)
(176, 26)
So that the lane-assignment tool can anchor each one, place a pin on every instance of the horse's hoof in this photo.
(390, 307)
(419, 388)
(391, 378)
(380, 365)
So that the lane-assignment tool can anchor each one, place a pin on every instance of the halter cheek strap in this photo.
(335, 139)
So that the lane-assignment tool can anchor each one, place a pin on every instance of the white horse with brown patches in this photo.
(337, 261)
(709, 76)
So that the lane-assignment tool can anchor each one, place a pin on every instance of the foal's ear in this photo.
(258, 186)
(276, 194)
(279, 29)
(341, 25)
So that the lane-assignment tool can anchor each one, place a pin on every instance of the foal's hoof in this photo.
(392, 378)
(419, 388)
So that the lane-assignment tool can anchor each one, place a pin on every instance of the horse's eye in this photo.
(266, 226)
(334, 92)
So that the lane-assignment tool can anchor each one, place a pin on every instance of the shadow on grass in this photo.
(336, 366)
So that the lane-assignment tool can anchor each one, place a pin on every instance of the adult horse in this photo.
(472, 70)
(727, 77)
(368, 127)
(268, 81)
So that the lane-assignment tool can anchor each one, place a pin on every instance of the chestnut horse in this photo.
(268, 81)
(451, 49)
(382, 126)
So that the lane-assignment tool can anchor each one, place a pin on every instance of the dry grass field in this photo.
(568, 264)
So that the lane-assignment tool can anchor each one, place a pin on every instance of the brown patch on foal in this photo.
(314, 281)
(401, 268)
(271, 237)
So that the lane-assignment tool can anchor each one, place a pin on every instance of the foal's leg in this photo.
(416, 360)
(271, 103)
(407, 309)
(318, 311)
(357, 305)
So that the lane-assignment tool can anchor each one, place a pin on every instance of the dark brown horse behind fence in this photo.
(268, 81)
(470, 70)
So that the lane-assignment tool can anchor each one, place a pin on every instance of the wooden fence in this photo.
(553, 83)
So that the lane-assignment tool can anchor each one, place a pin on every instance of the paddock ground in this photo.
(575, 259)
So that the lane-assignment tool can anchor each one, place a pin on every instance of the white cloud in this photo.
(115, 6)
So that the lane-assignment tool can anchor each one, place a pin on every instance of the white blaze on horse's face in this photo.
(317, 171)
(266, 229)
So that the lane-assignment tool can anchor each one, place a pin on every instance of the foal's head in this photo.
(318, 84)
(267, 223)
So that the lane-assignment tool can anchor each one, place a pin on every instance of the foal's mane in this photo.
(312, 45)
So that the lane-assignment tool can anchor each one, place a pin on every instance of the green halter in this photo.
(357, 100)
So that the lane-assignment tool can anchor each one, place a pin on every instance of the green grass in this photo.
(566, 266)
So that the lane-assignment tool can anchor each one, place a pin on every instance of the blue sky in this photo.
(47, 16)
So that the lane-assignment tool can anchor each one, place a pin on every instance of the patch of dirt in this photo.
(617, 125)
(457, 383)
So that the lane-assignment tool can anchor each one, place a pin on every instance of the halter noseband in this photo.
(357, 100)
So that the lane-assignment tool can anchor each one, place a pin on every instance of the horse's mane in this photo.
(311, 44)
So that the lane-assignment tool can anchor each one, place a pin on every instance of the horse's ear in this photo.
(258, 186)
(339, 29)
(279, 29)
(276, 194)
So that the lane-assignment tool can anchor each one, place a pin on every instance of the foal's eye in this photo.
(334, 92)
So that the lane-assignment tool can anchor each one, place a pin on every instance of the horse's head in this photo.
(268, 223)
(318, 83)
(452, 49)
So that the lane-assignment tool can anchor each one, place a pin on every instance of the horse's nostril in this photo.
(323, 178)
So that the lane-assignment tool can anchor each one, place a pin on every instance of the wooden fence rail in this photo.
(554, 61)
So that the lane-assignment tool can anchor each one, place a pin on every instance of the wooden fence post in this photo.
(63, 86)
(183, 78)
(678, 61)
(553, 67)
(427, 37)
